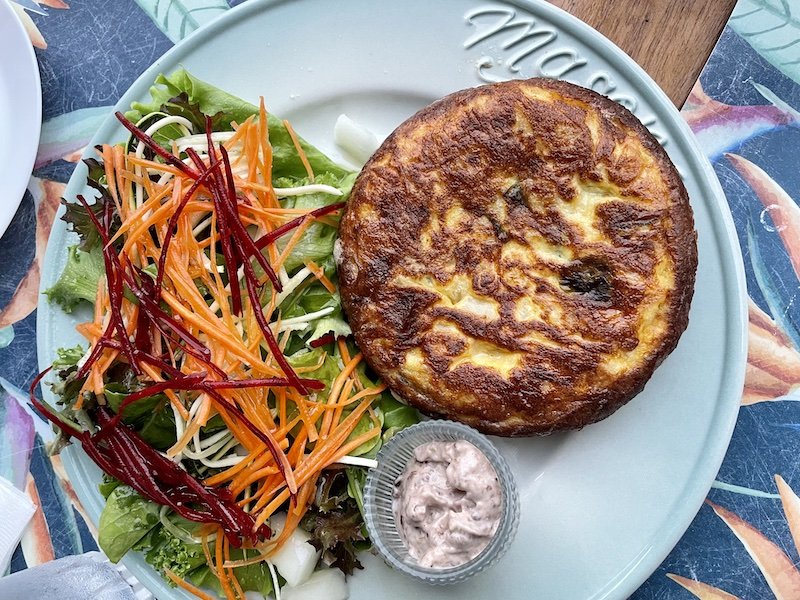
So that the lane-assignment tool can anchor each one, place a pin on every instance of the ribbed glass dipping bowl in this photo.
(393, 459)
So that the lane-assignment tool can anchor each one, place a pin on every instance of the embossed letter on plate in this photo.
(515, 44)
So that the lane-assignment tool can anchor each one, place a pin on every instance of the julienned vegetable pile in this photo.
(219, 390)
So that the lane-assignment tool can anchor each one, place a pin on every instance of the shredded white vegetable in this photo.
(356, 141)
(201, 226)
(172, 120)
(291, 284)
(276, 587)
(357, 461)
(312, 188)
(301, 322)
(200, 143)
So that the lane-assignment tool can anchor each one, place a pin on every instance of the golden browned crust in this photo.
(519, 257)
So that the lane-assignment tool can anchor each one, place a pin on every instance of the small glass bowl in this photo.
(393, 459)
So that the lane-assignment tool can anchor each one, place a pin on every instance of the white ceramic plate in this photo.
(601, 508)
(20, 112)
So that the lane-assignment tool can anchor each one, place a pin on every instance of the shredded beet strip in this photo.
(185, 382)
(272, 343)
(229, 217)
(128, 458)
(277, 454)
(272, 236)
(225, 202)
(115, 293)
(172, 227)
(248, 248)
(193, 346)
(231, 384)
(146, 357)
(228, 253)
(118, 290)
(156, 147)
(198, 382)
(227, 250)
(45, 410)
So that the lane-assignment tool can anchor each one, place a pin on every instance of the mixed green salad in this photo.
(219, 388)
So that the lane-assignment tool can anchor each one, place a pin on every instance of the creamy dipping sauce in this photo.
(447, 504)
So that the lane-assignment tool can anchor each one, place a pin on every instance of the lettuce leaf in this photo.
(77, 216)
(188, 90)
(332, 323)
(125, 520)
(79, 279)
(335, 523)
(68, 357)
(317, 243)
(326, 373)
(151, 417)
(252, 578)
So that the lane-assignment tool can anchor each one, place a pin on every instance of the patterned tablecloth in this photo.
(744, 110)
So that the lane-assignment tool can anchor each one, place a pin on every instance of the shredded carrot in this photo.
(111, 177)
(256, 460)
(221, 571)
(336, 389)
(192, 589)
(299, 148)
(226, 556)
(347, 389)
(319, 273)
(296, 237)
(302, 407)
(191, 428)
(343, 350)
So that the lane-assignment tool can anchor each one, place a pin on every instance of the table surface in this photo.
(745, 112)
(671, 39)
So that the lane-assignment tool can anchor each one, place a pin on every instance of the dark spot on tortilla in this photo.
(589, 277)
(515, 194)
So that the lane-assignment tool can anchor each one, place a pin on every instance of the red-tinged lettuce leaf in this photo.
(335, 523)
(181, 106)
(77, 216)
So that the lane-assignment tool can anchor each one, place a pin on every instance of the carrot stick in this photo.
(191, 428)
(182, 583)
(221, 573)
(226, 556)
(336, 390)
(223, 476)
(319, 273)
(299, 148)
(340, 404)
(298, 233)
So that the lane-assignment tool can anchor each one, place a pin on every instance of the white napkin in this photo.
(17, 511)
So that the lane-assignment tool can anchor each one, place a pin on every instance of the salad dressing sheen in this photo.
(447, 504)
